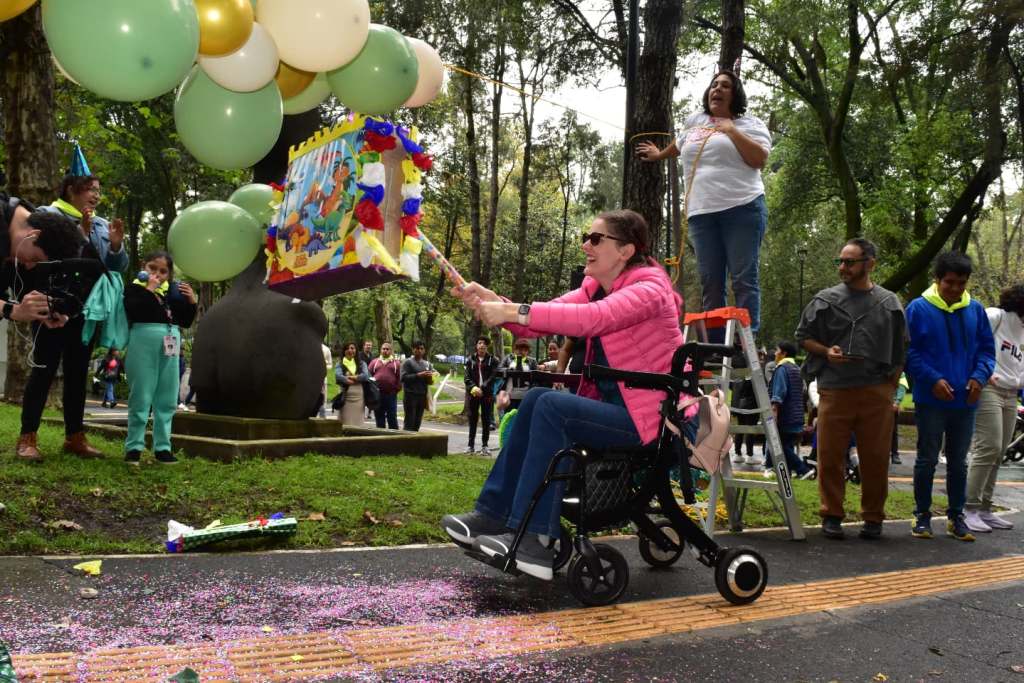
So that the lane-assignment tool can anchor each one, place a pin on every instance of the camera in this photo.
(68, 283)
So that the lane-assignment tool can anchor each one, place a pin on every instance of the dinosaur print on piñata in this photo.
(349, 211)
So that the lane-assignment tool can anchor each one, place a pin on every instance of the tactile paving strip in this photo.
(317, 655)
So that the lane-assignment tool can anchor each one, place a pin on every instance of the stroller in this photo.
(609, 488)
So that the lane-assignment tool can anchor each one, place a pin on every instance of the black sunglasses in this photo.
(595, 238)
(849, 261)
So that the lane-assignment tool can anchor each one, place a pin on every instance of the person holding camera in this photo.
(157, 308)
(29, 238)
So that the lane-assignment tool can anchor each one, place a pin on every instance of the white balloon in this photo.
(316, 35)
(248, 68)
(431, 73)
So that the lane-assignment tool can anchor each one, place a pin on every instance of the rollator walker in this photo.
(609, 488)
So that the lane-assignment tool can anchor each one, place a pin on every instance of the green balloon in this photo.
(315, 93)
(213, 241)
(126, 50)
(255, 198)
(381, 77)
(226, 129)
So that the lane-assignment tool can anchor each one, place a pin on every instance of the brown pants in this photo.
(866, 412)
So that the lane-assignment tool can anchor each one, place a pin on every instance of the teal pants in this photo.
(153, 379)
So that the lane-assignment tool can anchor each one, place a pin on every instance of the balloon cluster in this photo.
(257, 60)
(213, 240)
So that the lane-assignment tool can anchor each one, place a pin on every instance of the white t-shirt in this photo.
(723, 180)
(1008, 330)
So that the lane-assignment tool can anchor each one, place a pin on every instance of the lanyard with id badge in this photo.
(172, 344)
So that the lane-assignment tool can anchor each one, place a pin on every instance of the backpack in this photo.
(713, 440)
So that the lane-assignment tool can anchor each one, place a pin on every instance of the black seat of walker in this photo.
(687, 363)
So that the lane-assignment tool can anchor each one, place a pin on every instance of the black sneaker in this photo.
(132, 458)
(113, 404)
(832, 527)
(465, 528)
(872, 531)
(896, 459)
(532, 557)
(922, 526)
(165, 458)
(957, 528)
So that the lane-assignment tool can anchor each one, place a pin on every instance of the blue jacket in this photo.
(953, 343)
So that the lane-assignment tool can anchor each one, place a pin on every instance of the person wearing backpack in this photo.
(111, 369)
(997, 410)
(386, 371)
(787, 394)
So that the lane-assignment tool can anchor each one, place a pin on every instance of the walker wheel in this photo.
(741, 575)
(562, 548)
(596, 591)
(655, 556)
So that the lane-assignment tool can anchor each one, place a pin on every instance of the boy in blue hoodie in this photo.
(950, 359)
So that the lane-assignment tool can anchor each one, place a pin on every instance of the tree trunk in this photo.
(30, 141)
(497, 91)
(382, 315)
(522, 239)
(645, 182)
(732, 36)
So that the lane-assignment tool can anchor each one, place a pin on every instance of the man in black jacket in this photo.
(28, 239)
(480, 369)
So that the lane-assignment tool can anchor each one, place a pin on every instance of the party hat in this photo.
(79, 166)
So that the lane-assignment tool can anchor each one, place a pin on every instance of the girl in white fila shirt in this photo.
(997, 410)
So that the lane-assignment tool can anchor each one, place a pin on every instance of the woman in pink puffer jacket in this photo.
(629, 313)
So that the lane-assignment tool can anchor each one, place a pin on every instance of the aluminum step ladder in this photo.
(725, 484)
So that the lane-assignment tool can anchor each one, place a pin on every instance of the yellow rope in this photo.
(684, 225)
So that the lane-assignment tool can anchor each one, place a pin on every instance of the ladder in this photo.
(736, 322)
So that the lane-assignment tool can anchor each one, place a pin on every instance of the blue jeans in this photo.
(547, 422)
(957, 425)
(387, 410)
(794, 462)
(730, 242)
(108, 395)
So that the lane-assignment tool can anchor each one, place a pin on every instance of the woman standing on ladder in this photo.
(723, 152)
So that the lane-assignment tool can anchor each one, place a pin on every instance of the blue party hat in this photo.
(79, 166)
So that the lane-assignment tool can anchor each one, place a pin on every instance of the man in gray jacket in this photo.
(417, 376)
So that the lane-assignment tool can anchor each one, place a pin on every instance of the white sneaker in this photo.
(753, 460)
(737, 458)
(975, 522)
(942, 461)
(768, 473)
(993, 520)
(182, 406)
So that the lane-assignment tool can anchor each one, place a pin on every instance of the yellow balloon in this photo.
(12, 8)
(224, 25)
(292, 81)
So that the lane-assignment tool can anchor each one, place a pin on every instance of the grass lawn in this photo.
(364, 501)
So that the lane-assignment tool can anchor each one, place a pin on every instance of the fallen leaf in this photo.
(88, 593)
(936, 673)
(368, 516)
(346, 544)
(98, 492)
(396, 522)
(1017, 668)
(316, 517)
(65, 525)
(268, 629)
(936, 651)
(370, 473)
(297, 658)
(91, 568)
(879, 677)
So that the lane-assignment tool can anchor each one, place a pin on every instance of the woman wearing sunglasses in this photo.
(723, 150)
(628, 314)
